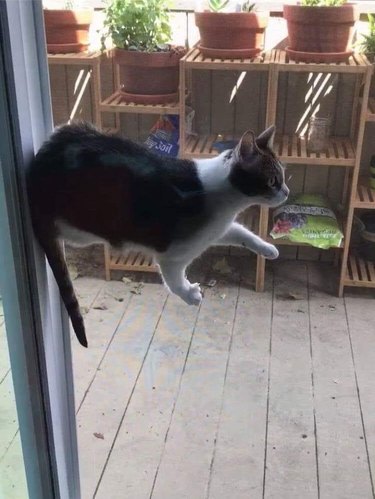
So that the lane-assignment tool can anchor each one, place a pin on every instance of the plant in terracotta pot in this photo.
(367, 43)
(67, 28)
(149, 65)
(321, 30)
(231, 35)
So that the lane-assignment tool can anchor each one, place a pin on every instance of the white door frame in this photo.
(37, 326)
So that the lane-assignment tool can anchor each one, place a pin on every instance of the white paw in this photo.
(269, 251)
(193, 295)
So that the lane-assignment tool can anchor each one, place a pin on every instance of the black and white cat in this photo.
(87, 187)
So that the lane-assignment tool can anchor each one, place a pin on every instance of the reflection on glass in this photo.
(12, 472)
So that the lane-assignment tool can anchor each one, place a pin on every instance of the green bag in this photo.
(307, 219)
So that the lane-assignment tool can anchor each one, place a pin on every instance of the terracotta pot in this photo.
(231, 34)
(149, 77)
(320, 34)
(67, 30)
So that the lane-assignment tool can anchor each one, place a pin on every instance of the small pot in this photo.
(320, 34)
(67, 31)
(149, 77)
(367, 246)
(231, 35)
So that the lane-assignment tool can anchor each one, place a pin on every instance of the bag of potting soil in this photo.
(308, 219)
(164, 135)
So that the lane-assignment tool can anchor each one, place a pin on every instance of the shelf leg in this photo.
(97, 93)
(273, 81)
(354, 184)
(107, 262)
(182, 140)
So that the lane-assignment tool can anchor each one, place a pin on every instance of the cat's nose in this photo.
(285, 190)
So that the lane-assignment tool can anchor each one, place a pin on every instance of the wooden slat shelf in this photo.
(115, 104)
(358, 63)
(291, 150)
(201, 146)
(371, 109)
(132, 260)
(80, 58)
(365, 197)
(359, 273)
(196, 60)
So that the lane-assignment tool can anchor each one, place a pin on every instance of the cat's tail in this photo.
(56, 260)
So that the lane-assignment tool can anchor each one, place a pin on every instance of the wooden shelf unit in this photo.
(357, 63)
(359, 272)
(90, 59)
(291, 150)
(365, 196)
(344, 152)
(194, 59)
(132, 260)
(115, 104)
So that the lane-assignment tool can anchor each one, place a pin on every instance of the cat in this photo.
(85, 186)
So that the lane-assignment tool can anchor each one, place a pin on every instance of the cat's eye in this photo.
(272, 182)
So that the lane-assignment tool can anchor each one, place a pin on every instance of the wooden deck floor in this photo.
(250, 396)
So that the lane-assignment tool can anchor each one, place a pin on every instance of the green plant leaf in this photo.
(218, 5)
(140, 24)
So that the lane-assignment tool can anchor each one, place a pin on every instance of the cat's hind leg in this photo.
(238, 235)
(175, 279)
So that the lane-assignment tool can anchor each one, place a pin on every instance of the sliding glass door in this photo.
(38, 449)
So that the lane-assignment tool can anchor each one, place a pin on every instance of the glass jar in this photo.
(318, 134)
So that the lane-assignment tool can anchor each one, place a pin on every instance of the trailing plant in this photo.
(368, 43)
(141, 25)
(322, 3)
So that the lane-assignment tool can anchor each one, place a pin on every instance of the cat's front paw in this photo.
(193, 295)
(269, 251)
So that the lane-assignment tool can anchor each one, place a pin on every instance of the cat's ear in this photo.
(246, 145)
(265, 139)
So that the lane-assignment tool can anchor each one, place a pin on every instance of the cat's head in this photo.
(255, 169)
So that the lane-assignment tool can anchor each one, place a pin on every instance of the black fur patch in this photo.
(115, 188)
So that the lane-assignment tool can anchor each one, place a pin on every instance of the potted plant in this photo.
(231, 35)
(67, 29)
(367, 44)
(320, 30)
(149, 66)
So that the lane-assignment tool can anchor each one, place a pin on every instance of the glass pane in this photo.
(12, 471)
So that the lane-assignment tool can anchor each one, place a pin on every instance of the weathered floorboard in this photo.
(290, 461)
(342, 459)
(185, 465)
(238, 464)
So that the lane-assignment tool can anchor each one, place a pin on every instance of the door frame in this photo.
(36, 322)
